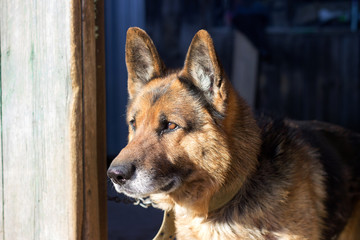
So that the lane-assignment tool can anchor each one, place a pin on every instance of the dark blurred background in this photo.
(290, 58)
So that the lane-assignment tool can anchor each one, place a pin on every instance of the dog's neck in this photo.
(219, 199)
(224, 195)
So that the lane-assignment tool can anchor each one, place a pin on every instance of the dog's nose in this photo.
(121, 173)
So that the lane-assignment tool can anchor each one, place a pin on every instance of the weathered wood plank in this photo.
(91, 94)
(36, 100)
(76, 124)
(1, 167)
(101, 116)
(50, 138)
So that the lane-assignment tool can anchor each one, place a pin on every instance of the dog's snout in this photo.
(121, 173)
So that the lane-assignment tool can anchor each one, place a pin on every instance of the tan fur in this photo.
(352, 228)
(302, 217)
(216, 148)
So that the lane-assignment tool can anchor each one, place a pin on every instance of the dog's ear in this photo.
(142, 60)
(203, 67)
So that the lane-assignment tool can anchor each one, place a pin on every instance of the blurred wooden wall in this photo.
(312, 76)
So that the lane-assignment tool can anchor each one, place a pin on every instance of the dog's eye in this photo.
(132, 124)
(171, 126)
(168, 127)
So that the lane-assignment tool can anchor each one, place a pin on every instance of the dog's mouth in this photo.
(168, 187)
(143, 187)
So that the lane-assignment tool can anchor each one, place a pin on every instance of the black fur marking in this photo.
(157, 93)
(275, 135)
(163, 121)
(156, 97)
(191, 125)
(199, 95)
(168, 187)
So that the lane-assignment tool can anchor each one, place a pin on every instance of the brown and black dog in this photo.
(198, 152)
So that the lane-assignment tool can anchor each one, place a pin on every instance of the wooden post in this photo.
(52, 144)
(95, 217)
(101, 116)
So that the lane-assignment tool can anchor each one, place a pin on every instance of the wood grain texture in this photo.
(101, 116)
(49, 121)
(76, 124)
(91, 225)
(1, 167)
(36, 100)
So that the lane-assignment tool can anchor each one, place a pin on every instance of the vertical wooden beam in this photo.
(101, 116)
(76, 123)
(91, 209)
(50, 119)
(38, 97)
(94, 226)
(1, 165)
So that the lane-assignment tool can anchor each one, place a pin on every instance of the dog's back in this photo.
(338, 151)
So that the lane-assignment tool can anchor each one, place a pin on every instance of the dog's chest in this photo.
(192, 230)
(200, 228)
(197, 228)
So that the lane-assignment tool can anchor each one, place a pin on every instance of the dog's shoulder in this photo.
(336, 149)
(339, 154)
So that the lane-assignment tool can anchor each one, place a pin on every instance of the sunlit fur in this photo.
(217, 144)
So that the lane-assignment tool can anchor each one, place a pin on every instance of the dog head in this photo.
(180, 124)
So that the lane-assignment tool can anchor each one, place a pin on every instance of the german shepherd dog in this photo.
(196, 149)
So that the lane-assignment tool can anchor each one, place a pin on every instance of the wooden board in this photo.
(101, 116)
(49, 134)
(1, 167)
(94, 226)
(36, 101)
